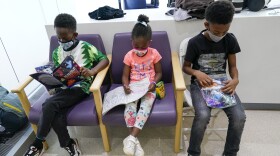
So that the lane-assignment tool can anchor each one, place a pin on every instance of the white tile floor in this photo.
(261, 137)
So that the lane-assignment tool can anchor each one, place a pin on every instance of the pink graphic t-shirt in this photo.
(142, 67)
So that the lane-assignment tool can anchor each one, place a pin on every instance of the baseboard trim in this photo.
(262, 106)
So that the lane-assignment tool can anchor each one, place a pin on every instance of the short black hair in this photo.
(220, 12)
(65, 21)
(142, 28)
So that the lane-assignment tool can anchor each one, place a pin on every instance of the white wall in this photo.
(259, 60)
(258, 35)
(22, 31)
(8, 77)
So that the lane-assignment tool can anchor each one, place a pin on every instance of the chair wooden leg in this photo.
(46, 146)
(105, 138)
(179, 108)
(104, 134)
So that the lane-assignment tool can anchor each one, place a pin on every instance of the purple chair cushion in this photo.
(82, 114)
(94, 39)
(122, 44)
(163, 112)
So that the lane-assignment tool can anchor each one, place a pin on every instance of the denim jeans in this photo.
(236, 117)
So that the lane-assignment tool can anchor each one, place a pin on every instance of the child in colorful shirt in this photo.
(54, 109)
(140, 62)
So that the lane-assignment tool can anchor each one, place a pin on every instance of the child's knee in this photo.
(238, 121)
(48, 106)
(203, 116)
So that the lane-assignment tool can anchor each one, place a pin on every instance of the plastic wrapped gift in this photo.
(215, 98)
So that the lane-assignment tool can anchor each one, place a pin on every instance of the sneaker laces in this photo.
(139, 148)
(31, 150)
(72, 149)
(69, 150)
(130, 143)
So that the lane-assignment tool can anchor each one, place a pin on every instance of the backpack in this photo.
(195, 8)
(192, 4)
(255, 5)
(9, 102)
(106, 13)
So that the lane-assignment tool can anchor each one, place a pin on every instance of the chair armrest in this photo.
(22, 86)
(96, 84)
(177, 73)
(22, 95)
(180, 86)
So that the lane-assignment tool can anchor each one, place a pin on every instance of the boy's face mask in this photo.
(66, 38)
(214, 37)
(139, 52)
(216, 29)
(67, 45)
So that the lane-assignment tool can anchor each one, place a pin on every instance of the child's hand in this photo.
(86, 72)
(152, 87)
(127, 89)
(230, 86)
(203, 79)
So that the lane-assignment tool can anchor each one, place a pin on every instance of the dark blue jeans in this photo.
(236, 117)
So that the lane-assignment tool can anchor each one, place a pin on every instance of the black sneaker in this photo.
(73, 149)
(34, 151)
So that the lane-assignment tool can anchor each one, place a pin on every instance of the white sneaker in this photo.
(129, 145)
(139, 150)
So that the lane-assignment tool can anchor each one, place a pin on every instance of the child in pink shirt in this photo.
(140, 62)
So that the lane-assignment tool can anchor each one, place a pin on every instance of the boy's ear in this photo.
(75, 34)
(206, 24)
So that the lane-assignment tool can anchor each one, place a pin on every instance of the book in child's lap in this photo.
(118, 97)
(66, 74)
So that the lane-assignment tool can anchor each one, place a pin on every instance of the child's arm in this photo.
(91, 72)
(203, 79)
(158, 76)
(125, 79)
(231, 84)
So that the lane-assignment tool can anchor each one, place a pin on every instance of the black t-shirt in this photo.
(208, 56)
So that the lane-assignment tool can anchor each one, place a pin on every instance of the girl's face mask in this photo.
(141, 52)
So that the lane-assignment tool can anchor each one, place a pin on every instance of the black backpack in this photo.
(106, 13)
(255, 5)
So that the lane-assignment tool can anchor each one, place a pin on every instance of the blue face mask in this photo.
(66, 45)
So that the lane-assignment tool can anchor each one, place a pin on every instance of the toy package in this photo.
(215, 98)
